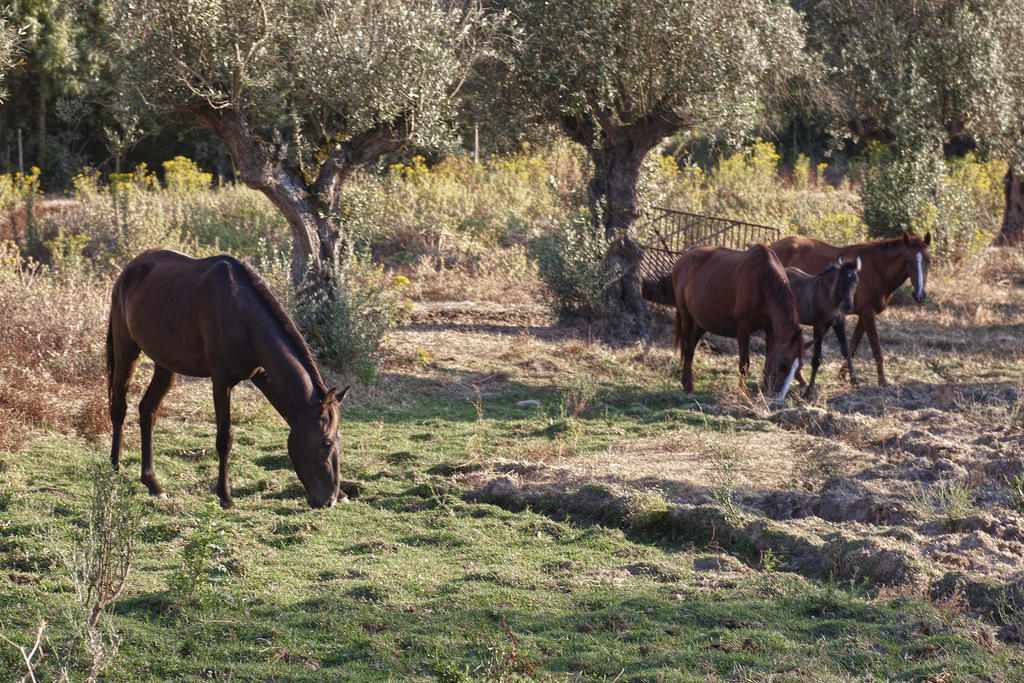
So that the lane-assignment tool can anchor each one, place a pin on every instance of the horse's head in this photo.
(313, 446)
(781, 362)
(918, 260)
(846, 282)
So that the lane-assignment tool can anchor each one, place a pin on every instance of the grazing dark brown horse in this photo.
(822, 301)
(733, 294)
(216, 318)
(885, 265)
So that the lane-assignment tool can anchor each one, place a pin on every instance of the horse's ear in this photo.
(927, 238)
(839, 261)
(858, 264)
(328, 400)
(906, 238)
(333, 398)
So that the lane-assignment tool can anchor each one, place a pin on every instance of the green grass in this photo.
(414, 581)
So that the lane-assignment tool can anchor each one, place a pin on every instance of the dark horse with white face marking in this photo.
(733, 294)
(885, 265)
(822, 301)
(215, 317)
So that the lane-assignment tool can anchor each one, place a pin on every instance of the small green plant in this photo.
(769, 561)
(646, 511)
(202, 571)
(951, 501)
(98, 561)
(579, 397)
(1015, 490)
(507, 663)
(723, 454)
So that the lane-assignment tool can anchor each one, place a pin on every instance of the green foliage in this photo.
(347, 322)
(621, 59)
(21, 191)
(571, 261)
(98, 561)
(200, 577)
(899, 191)
(132, 212)
(10, 43)
(318, 72)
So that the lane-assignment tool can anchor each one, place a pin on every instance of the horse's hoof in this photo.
(162, 495)
(227, 504)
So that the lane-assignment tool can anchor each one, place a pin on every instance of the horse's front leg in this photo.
(161, 383)
(839, 327)
(819, 336)
(743, 339)
(222, 409)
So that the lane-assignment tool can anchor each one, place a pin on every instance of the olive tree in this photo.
(912, 75)
(10, 41)
(302, 92)
(620, 76)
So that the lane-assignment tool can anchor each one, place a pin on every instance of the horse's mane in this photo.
(888, 243)
(291, 332)
(776, 288)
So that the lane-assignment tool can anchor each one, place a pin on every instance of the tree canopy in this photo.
(302, 92)
(619, 76)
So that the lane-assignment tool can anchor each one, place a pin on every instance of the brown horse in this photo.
(733, 294)
(215, 317)
(822, 301)
(885, 265)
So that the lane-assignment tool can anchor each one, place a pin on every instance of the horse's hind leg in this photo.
(222, 408)
(122, 357)
(161, 383)
(687, 335)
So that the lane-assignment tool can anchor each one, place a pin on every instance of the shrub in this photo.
(899, 191)
(199, 577)
(347, 322)
(571, 261)
(99, 561)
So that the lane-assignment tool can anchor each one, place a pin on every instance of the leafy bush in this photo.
(200, 576)
(571, 261)
(899, 191)
(347, 322)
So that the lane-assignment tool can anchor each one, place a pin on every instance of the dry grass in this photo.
(51, 362)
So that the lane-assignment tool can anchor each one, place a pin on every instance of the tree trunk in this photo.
(621, 212)
(320, 243)
(1012, 232)
(316, 233)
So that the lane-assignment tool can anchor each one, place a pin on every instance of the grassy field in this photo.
(610, 529)
(529, 502)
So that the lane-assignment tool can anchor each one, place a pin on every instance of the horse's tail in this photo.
(110, 357)
(658, 291)
(677, 342)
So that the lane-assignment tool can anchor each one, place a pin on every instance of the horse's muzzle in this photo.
(920, 297)
(328, 503)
